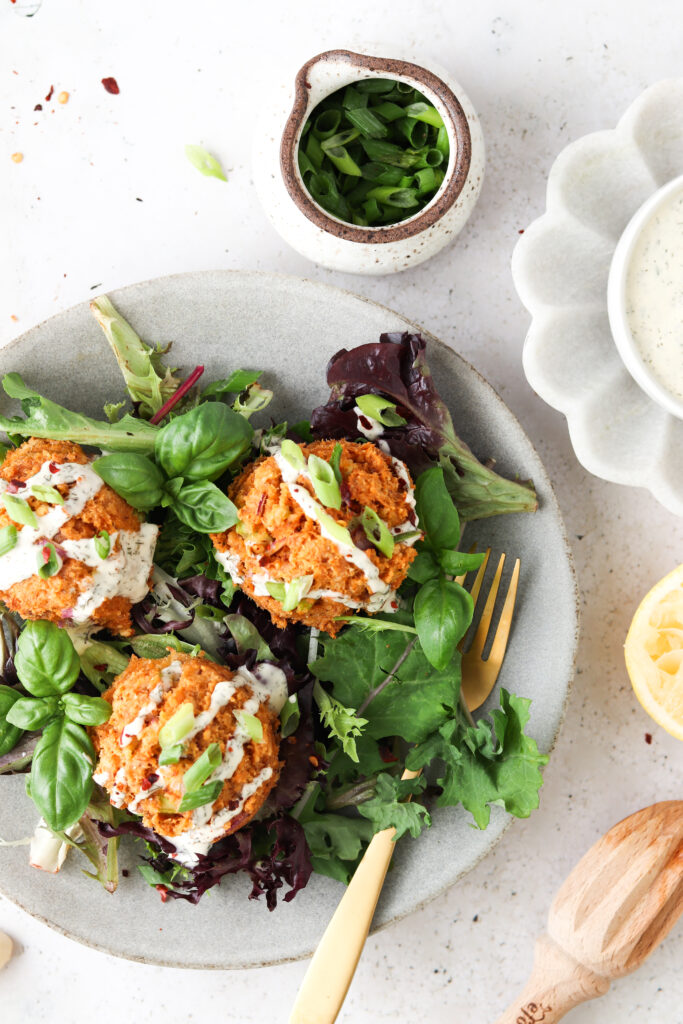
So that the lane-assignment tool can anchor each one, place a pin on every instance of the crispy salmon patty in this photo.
(80, 554)
(224, 707)
(280, 537)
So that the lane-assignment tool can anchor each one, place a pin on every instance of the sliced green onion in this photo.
(402, 197)
(426, 113)
(381, 174)
(367, 123)
(8, 538)
(251, 725)
(336, 531)
(49, 562)
(306, 165)
(102, 543)
(178, 726)
(389, 111)
(377, 532)
(380, 409)
(442, 143)
(205, 162)
(19, 511)
(326, 124)
(376, 85)
(389, 153)
(415, 132)
(171, 755)
(293, 454)
(314, 152)
(335, 149)
(50, 495)
(324, 482)
(335, 463)
(205, 765)
(207, 794)
(290, 594)
(354, 99)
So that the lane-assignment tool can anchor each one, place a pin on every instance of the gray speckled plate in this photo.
(290, 327)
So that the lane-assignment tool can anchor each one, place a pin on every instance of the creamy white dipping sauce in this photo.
(123, 573)
(654, 293)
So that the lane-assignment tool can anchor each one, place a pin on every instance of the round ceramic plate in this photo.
(561, 266)
(290, 328)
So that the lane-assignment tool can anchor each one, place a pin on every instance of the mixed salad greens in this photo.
(382, 695)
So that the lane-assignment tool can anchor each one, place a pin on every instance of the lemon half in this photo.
(654, 653)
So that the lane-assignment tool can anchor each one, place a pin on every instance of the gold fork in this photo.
(334, 962)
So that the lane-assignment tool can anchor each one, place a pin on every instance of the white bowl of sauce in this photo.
(645, 297)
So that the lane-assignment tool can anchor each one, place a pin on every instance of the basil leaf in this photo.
(86, 710)
(436, 512)
(443, 611)
(9, 734)
(33, 713)
(46, 661)
(455, 563)
(61, 773)
(203, 443)
(204, 508)
(425, 567)
(134, 477)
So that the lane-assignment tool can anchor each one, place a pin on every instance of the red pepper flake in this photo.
(394, 605)
(38, 106)
(648, 737)
(53, 467)
(14, 486)
(145, 785)
(365, 422)
(164, 892)
(261, 504)
(111, 85)
(49, 95)
(100, 668)
(47, 551)
(521, 231)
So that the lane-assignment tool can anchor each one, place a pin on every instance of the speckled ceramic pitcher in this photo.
(334, 243)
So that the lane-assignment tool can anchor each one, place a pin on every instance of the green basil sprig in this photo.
(203, 443)
(47, 665)
(191, 451)
(9, 734)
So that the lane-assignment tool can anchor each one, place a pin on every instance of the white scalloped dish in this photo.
(561, 268)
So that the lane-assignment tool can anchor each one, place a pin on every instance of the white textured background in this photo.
(540, 74)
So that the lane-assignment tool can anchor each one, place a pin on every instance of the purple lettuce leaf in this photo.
(396, 368)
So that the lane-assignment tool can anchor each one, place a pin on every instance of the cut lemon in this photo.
(654, 653)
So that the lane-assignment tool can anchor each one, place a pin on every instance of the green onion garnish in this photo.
(207, 794)
(251, 725)
(49, 562)
(8, 538)
(380, 131)
(380, 409)
(102, 543)
(19, 511)
(171, 755)
(293, 454)
(178, 726)
(377, 532)
(290, 594)
(48, 494)
(334, 462)
(197, 774)
(324, 482)
(335, 530)
(205, 162)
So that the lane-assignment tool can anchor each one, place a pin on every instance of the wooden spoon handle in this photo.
(557, 984)
(334, 962)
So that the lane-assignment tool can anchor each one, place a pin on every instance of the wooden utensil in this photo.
(334, 962)
(617, 904)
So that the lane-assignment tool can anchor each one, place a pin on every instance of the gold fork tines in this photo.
(479, 674)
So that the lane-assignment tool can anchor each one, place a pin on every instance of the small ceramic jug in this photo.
(334, 243)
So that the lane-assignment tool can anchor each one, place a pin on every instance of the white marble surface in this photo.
(540, 74)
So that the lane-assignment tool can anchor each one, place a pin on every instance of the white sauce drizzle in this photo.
(654, 293)
(169, 677)
(372, 432)
(123, 573)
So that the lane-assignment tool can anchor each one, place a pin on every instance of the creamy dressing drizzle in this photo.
(372, 432)
(654, 293)
(383, 597)
(268, 685)
(123, 573)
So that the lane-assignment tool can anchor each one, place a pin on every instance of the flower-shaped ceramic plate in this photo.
(560, 268)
